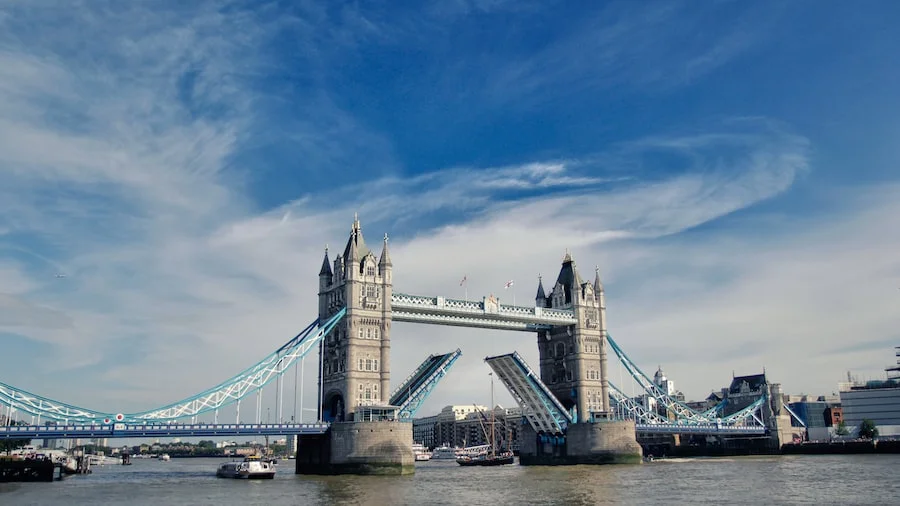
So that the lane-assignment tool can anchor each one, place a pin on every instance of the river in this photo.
(826, 479)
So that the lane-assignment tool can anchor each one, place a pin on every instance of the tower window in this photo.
(370, 270)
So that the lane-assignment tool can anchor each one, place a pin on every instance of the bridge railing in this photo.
(421, 303)
(157, 429)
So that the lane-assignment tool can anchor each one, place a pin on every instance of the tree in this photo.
(7, 445)
(867, 429)
(841, 429)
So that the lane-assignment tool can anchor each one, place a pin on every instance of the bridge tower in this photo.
(573, 366)
(354, 370)
(573, 357)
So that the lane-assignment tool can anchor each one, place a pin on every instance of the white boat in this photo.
(251, 468)
(421, 453)
(164, 457)
(444, 453)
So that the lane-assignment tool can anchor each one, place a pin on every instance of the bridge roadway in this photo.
(281, 429)
(121, 430)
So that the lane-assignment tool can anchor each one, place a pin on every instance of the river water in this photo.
(826, 479)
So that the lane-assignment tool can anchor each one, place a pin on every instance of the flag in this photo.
(463, 281)
(508, 284)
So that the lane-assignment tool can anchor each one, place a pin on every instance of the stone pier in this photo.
(603, 442)
(371, 448)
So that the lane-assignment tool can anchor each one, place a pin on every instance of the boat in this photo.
(164, 457)
(487, 459)
(490, 456)
(251, 468)
(421, 453)
(444, 453)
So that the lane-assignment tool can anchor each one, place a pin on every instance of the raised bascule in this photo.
(574, 414)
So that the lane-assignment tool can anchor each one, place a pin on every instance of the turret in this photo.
(325, 273)
(540, 300)
(384, 263)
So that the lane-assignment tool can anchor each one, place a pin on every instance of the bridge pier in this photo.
(603, 442)
(369, 448)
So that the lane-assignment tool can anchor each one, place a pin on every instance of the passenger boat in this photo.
(251, 468)
(421, 453)
(164, 457)
(444, 453)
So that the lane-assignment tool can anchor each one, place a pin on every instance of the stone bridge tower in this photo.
(354, 373)
(355, 370)
(573, 357)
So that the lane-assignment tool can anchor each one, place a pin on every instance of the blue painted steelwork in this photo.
(707, 429)
(410, 395)
(486, 313)
(120, 430)
(247, 381)
(540, 407)
(16, 399)
(681, 410)
(225, 393)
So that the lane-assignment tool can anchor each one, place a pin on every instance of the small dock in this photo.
(29, 470)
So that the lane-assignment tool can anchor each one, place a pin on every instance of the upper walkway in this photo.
(487, 313)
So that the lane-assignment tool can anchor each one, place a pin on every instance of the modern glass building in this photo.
(878, 401)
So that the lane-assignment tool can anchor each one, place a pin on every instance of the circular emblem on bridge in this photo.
(107, 421)
(120, 417)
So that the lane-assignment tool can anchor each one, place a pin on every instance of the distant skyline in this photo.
(170, 174)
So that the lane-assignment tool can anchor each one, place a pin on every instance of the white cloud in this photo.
(176, 280)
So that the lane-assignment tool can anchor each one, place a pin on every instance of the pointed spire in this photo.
(356, 246)
(326, 266)
(541, 296)
(598, 285)
(385, 255)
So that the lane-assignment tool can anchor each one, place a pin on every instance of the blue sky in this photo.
(732, 167)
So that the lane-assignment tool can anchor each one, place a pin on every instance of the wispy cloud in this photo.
(653, 45)
(132, 165)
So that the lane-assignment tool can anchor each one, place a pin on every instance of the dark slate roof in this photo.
(541, 296)
(326, 266)
(568, 277)
(357, 238)
(754, 382)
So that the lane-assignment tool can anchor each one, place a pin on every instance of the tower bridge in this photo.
(574, 413)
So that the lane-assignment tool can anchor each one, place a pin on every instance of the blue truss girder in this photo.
(540, 407)
(228, 392)
(250, 380)
(681, 410)
(410, 395)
